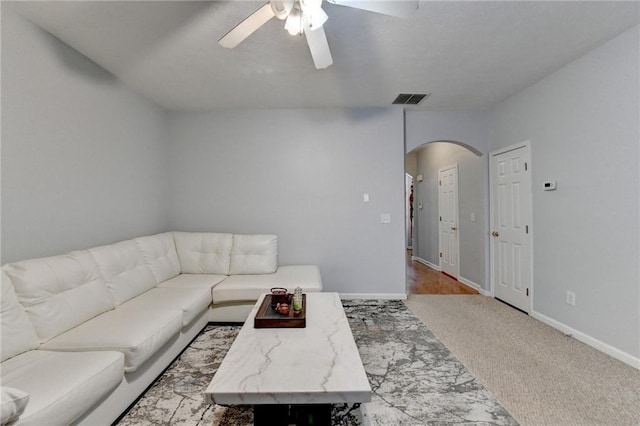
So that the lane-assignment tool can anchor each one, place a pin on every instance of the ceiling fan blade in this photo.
(397, 8)
(319, 47)
(247, 27)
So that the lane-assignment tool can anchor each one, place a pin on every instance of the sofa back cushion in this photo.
(254, 254)
(18, 335)
(159, 254)
(203, 252)
(123, 270)
(59, 292)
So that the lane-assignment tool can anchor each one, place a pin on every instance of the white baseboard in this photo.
(474, 286)
(584, 338)
(427, 263)
(371, 296)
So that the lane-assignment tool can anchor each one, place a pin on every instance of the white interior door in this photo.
(510, 177)
(448, 209)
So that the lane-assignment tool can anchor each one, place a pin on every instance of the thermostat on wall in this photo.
(550, 185)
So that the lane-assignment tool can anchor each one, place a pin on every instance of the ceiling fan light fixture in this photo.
(294, 22)
(281, 8)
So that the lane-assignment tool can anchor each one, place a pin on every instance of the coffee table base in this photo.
(285, 415)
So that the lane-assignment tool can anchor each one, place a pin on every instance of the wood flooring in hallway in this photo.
(423, 280)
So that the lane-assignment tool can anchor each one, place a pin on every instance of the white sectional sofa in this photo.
(85, 333)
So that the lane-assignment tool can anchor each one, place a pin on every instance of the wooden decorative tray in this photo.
(267, 317)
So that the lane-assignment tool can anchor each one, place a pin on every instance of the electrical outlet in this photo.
(571, 298)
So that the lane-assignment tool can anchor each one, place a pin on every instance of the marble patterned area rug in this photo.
(414, 378)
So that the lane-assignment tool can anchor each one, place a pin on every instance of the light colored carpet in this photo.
(540, 375)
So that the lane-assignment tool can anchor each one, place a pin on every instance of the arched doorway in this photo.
(428, 255)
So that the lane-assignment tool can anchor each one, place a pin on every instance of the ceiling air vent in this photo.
(410, 98)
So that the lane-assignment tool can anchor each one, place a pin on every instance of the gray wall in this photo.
(583, 123)
(83, 158)
(471, 181)
(465, 127)
(300, 174)
(411, 163)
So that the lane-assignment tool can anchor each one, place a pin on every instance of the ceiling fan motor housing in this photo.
(310, 5)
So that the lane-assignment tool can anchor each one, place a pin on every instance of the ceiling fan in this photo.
(307, 17)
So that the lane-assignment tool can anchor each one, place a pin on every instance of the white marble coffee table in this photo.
(276, 368)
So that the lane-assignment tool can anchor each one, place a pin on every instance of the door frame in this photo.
(440, 170)
(492, 253)
(408, 220)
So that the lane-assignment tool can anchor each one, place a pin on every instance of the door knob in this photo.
(495, 234)
(453, 228)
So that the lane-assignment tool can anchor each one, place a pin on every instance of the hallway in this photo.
(421, 279)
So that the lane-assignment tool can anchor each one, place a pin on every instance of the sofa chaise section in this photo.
(234, 297)
(248, 288)
(243, 267)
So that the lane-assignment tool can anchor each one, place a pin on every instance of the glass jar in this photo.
(297, 299)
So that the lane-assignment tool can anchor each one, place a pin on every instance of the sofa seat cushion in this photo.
(12, 404)
(249, 287)
(62, 385)
(191, 300)
(203, 252)
(193, 280)
(123, 269)
(17, 333)
(138, 334)
(159, 254)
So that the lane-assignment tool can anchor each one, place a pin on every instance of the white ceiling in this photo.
(468, 55)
